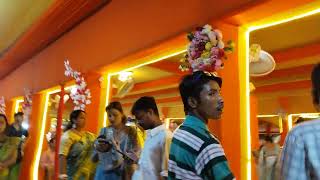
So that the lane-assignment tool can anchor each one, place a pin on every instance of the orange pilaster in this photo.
(58, 133)
(92, 109)
(284, 132)
(33, 139)
(10, 105)
(284, 104)
(254, 125)
(165, 112)
(229, 129)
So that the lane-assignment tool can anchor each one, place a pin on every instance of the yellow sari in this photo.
(9, 147)
(77, 148)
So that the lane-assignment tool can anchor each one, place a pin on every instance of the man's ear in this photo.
(192, 102)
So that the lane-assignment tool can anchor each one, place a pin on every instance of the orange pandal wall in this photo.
(32, 142)
(230, 123)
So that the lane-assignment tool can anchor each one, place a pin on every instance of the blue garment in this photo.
(101, 174)
(111, 164)
(301, 156)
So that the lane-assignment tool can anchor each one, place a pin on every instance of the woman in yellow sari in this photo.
(8, 149)
(75, 151)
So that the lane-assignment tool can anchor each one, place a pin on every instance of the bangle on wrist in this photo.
(63, 176)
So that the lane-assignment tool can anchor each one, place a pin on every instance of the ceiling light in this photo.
(125, 76)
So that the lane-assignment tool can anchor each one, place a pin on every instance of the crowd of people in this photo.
(121, 152)
(118, 152)
(191, 152)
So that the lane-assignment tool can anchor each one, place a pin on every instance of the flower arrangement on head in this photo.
(81, 97)
(27, 102)
(2, 106)
(206, 51)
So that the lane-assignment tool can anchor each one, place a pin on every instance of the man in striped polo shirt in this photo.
(195, 153)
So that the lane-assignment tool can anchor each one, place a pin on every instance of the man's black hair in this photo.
(192, 84)
(145, 103)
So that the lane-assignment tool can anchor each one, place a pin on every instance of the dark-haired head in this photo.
(3, 124)
(114, 105)
(144, 104)
(18, 117)
(77, 119)
(18, 114)
(200, 93)
(315, 78)
(116, 115)
(268, 139)
(146, 111)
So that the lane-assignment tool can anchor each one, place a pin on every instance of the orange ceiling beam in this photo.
(168, 100)
(60, 18)
(284, 86)
(153, 93)
(263, 89)
(154, 52)
(169, 66)
(291, 54)
(171, 80)
(261, 9)
(159, 101)
(301, 70)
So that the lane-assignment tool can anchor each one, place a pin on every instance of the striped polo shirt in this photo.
(196, 154)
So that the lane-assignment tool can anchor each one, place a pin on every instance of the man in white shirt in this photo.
(153, 162)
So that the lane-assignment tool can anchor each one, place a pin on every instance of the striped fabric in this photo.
(196, 154)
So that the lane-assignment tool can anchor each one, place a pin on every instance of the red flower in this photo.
(197, 54)
(221, 53)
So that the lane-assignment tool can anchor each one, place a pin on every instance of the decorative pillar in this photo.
(10, 106)
(97, 106)
(254, 125)
(30, 151)
(58, 132)
(284, 106)
(228, 129)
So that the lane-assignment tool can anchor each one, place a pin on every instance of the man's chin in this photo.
(216, 116)
(143, 126)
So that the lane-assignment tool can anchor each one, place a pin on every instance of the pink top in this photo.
(47, 159)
